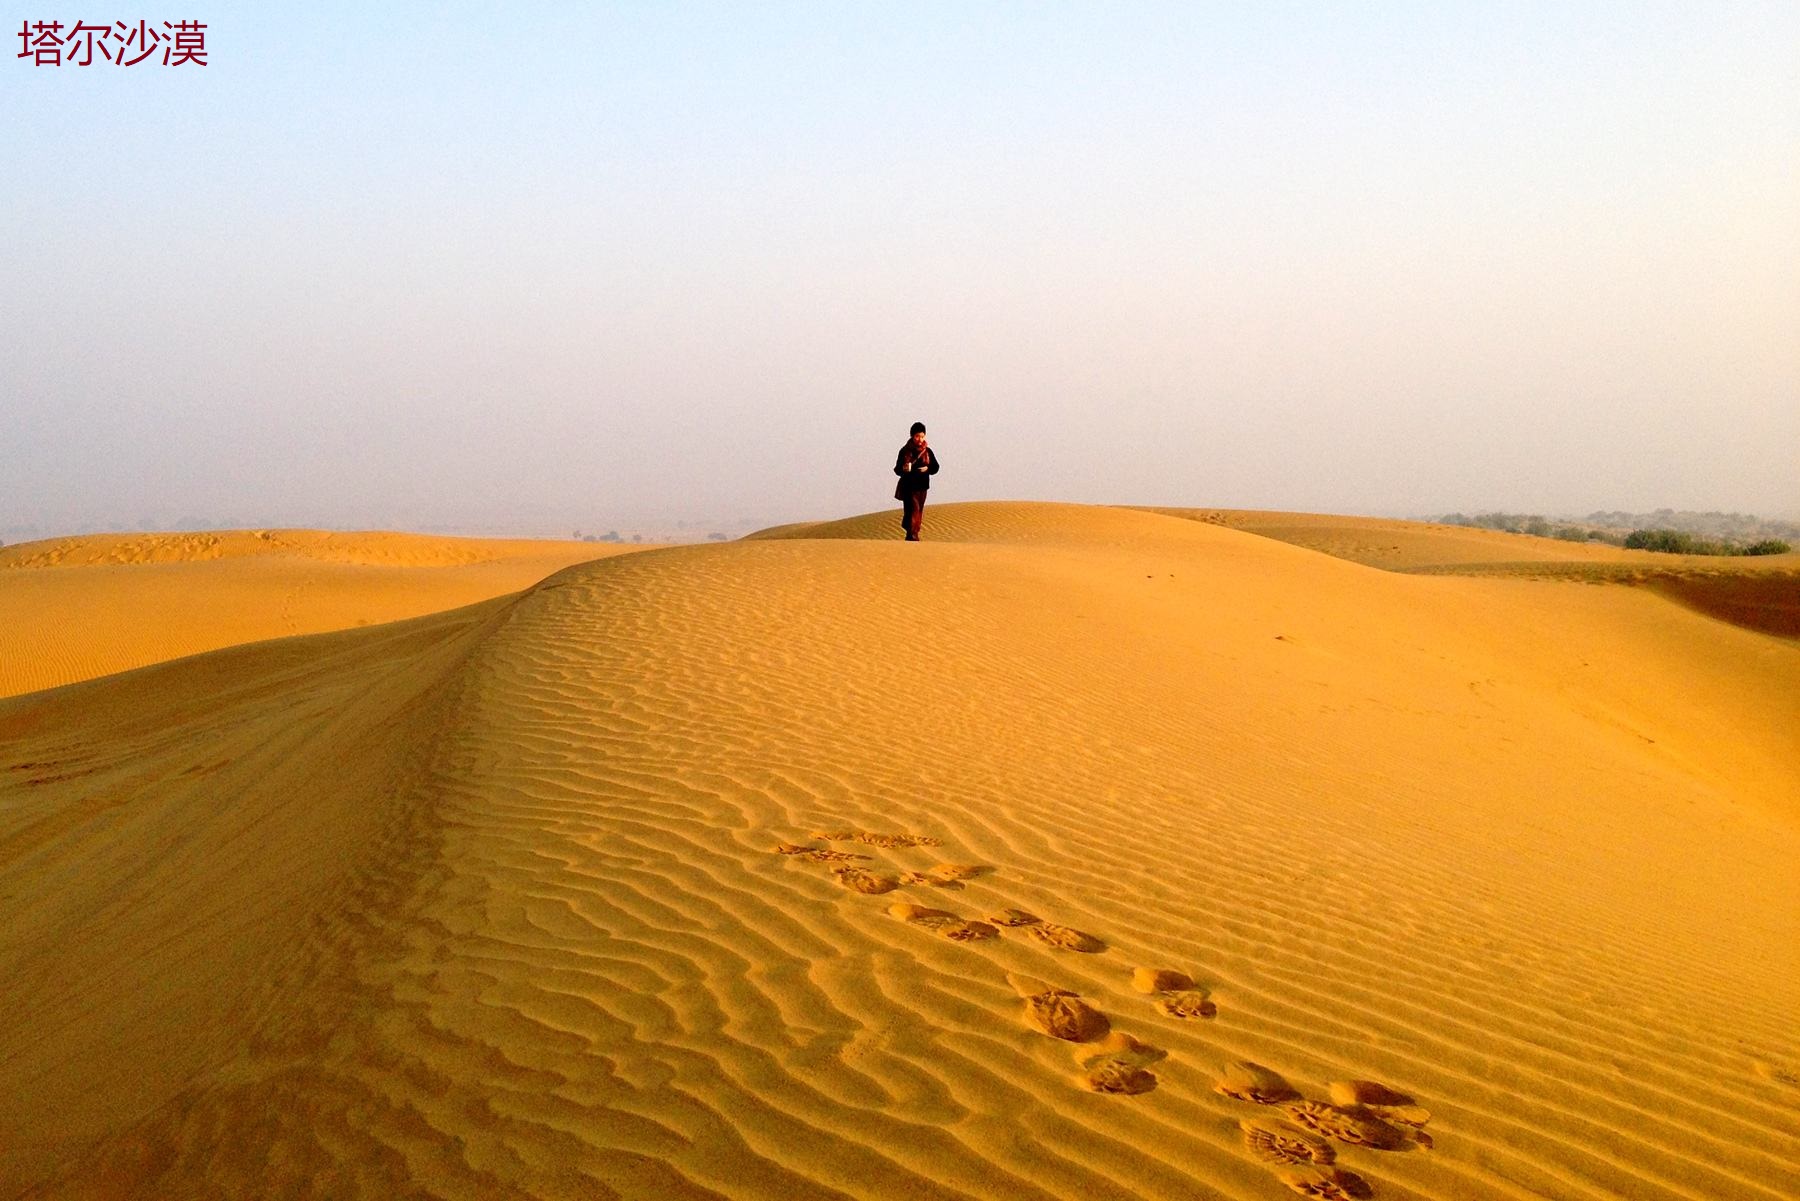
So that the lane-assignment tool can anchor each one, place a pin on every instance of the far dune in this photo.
(76, 608)
(1758, 592)
(1399, 545)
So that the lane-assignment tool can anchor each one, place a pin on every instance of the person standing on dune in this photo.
(915, 466)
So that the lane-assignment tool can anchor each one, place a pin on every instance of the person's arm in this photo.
(900, 462)
(932, 470)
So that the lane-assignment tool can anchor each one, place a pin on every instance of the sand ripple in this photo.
(540, 900)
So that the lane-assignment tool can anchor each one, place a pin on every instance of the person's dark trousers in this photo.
(914, 514)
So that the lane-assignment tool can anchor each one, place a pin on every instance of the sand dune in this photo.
(1076, 852)
(76, 608)
(1408, 545)
(1757, 592)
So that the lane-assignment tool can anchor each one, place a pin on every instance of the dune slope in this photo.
(77, 608)
(1760, 592)
(496, 904)
(1409, 545)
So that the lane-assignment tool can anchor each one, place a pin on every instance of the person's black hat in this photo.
(918, 427)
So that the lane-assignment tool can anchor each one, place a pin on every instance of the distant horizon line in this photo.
(701, 530)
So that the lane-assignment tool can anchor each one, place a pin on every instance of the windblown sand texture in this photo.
(1459, 887)
(75, 608)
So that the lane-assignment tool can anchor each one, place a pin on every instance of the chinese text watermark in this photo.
(86, 43)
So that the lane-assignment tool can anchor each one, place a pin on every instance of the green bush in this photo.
(1672, 542)
(1675, 542)
(1708, 533)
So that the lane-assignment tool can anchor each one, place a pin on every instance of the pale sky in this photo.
(542, 267)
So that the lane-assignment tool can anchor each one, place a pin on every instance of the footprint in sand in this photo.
(1065, 938)
(858, 880)
(886, 841)
(817, 854)
(1176, 993)
(1389, 1105)
(1191, 1003)
(1358, 1128)
(1013, 917)
(1246, 1081)
(1120, 1066)
(1328, 1183)
(1279, 1143)
(944, 875)
(1365, 1092)
(942, 921)
(1059, 1012)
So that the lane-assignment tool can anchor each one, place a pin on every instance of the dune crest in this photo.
(1760, 593)
(77, 608)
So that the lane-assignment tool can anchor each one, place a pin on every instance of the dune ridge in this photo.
(368, 548)
(1760, 592)
(570, 925)
(77, 608)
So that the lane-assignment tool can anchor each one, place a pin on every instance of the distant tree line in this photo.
(614, 536)
(1723, 527)
(1666, 530)
(1679, 542)
(1531, 523)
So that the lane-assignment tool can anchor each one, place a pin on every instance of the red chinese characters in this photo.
(43, 42)
(167, 43)
(190, 43)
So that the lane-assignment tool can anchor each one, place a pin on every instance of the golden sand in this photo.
(1759, 593)
(75, 608)
(1203, 865)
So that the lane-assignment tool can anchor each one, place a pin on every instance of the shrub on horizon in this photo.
(1675, 542)
(1669, 542)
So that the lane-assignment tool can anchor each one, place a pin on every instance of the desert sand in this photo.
(1074, 852)
(75, 608)
(1759, 593)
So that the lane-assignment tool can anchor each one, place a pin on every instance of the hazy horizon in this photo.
(660, 530)
(637, 266)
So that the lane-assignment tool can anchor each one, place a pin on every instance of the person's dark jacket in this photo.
(914, 481)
